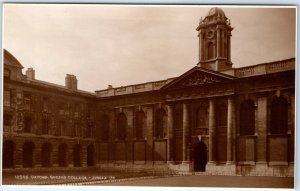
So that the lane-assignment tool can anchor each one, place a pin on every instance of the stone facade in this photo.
(213, 118)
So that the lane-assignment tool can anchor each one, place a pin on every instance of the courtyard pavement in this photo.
(67, 177)
(211, 181)
(96, 177)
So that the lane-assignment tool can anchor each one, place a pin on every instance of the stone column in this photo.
(18, 156)
(292, 129)
(83, 156)
(204, 49)
(261, 129)
(185, 121)
(212, 133)
(230, 130)
(229, 47)
(129, 137)
(170, 158)
(37, 156)
(149, 135)
(201, 47)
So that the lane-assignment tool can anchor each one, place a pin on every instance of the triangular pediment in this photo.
(198, 76)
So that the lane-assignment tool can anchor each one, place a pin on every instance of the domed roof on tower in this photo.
(216, 11)
(214, 16)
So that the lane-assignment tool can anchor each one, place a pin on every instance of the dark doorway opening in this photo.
(28, 148)
(90, 155)
(8, 154)
(46, 155)
(76, 155)
(62, 155)
(200, 156)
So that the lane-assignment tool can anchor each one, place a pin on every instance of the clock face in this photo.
(210, 34)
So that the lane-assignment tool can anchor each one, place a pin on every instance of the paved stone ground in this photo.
(57, 177)
(97, 177)
(212, 181)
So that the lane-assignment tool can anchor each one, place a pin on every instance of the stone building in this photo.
(213, 118)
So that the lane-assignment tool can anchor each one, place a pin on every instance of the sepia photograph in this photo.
(149, 95)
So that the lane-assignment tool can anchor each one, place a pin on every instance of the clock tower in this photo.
(215, 41)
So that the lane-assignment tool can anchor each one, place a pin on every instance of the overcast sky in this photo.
(123, 45)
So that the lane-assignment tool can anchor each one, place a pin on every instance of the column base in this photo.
(211, 163)
(170, 162)
(183, 167)
(230, 163)
(261, 163)
(186, 162)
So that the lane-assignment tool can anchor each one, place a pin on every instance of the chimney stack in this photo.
(30, 73)
(71, 82)
(109, 87)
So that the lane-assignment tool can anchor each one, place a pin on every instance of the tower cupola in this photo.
(215, 41)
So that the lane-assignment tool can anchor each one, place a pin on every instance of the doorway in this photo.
(46, 155)
(90, 155)
(28, 155)
(200, 156)
(8, 154)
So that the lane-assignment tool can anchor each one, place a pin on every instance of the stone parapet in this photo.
(266, 68)
(137, 88)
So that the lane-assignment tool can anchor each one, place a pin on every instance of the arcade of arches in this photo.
(46, 156)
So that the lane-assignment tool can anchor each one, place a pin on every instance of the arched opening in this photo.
(90, 155)
(62, 155)
(8, 154)
(46, 155)
(200, 156)
(160, 123)
(210, 52)
(28, 149)
(279, 116)
(247, 118)
(139, 125)
(121, 126)
(77, 155)
(104, 128)
(220, 43)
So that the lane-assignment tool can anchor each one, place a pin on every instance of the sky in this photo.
(121, 45)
